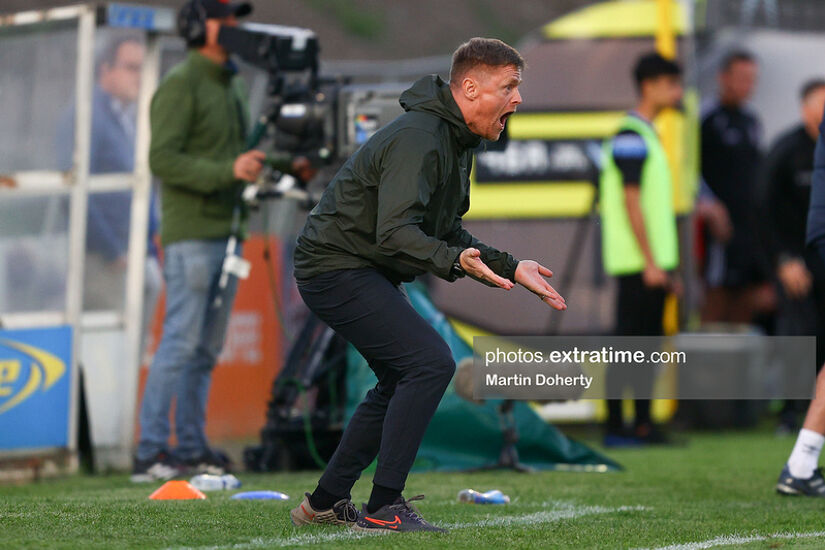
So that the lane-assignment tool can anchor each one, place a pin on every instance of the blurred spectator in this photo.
(800, 273)
(112, 150)
(639, 233)
(737, 268)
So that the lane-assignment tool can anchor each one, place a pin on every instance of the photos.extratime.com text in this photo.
(576, 356)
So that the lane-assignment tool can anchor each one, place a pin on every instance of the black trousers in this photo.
(413, 364)
(803, 317)
(639, 311)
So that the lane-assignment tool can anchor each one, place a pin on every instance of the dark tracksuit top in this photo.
(396, 204)
(731, 160)
(789, 169)
(815, 237)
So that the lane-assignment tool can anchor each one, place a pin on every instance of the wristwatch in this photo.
(457, 272)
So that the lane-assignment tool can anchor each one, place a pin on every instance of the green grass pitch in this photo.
(715, 492)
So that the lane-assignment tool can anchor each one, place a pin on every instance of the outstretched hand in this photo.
(470, 260)
(530, 275)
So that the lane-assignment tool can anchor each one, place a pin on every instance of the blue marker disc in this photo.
(260, 495)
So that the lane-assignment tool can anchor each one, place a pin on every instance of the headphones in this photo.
(192, 23)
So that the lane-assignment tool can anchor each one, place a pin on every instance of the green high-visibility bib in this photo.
(621, 252)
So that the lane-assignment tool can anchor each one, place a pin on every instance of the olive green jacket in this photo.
(396, 204)
(199, 116)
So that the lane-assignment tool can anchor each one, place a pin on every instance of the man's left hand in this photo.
(530, 275)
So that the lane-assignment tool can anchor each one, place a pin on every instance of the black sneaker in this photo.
(161, 467)
(342, 512)
(395, 518)
(212, 462)
(814, 486)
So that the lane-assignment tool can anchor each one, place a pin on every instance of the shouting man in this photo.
(391, 213)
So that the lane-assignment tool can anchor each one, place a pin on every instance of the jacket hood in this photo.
(431, 94)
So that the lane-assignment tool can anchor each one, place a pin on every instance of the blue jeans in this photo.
(193, 335)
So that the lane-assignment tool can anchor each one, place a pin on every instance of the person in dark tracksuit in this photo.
(737, 268)
(800, 475)
(394, 212)
(800, 275)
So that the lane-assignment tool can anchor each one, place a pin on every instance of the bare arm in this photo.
(653, 276)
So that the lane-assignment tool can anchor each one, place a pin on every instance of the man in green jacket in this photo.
(391, 213)
(198, 119)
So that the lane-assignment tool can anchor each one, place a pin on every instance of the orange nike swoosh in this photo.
(311, 516)
(384, 523)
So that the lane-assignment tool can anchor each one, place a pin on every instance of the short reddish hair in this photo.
(489, 52)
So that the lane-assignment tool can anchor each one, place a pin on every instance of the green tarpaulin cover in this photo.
(464, 435)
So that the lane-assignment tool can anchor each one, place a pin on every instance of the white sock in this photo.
(805, 455)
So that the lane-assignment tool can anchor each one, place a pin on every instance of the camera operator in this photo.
(199, 119)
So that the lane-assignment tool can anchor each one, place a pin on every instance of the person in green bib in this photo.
(640, 244)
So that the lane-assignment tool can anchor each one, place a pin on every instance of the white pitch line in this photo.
(549, 516)
(729, 540)
(545, 516)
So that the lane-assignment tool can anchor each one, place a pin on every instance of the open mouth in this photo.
(503, 120)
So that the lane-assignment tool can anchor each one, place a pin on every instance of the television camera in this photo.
(299, 118)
